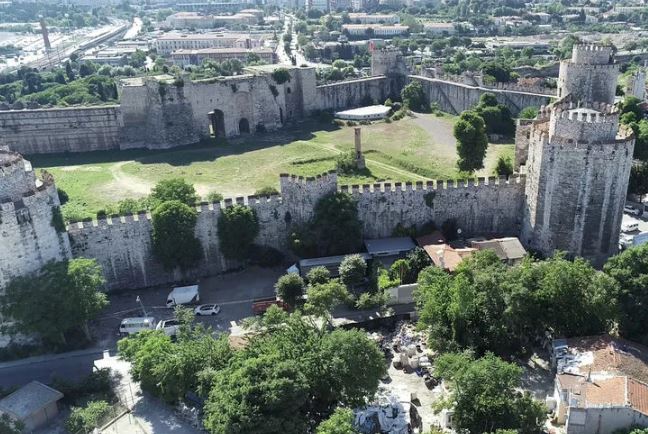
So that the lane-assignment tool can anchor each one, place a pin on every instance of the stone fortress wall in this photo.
(42, 131)
(159, 113)
(28, 239)
(122, 245)
(577, 160)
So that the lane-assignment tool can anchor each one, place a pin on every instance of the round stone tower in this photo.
(590, 75)
(30, 221)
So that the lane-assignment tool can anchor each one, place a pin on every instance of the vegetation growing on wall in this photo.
(174, 240)
(238, 226)
(281, 75)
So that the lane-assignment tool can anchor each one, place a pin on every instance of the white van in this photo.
(130, 326)
(183, 295)
(630, 227)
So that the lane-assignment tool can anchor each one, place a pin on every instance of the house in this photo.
(509, 249)
(34, 404)
(601, 384)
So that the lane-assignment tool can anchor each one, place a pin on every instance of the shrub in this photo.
(281, 75)
(352, 270)
(318, 276)
(87, 418)
(289, 287)
(213, 196)
(368, 300)
(266, 191)
(345, 163)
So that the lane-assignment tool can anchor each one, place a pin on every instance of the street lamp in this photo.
(139, 300)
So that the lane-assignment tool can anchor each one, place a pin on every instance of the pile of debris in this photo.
(412, 354)
(388, 413)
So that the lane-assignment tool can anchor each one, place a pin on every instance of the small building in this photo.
(509, 249)
(331, 263)
(369, 113)
(34, 404)
(601, 384)
(375, 29)
(388, 250)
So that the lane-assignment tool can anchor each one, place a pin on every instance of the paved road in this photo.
(71, 366)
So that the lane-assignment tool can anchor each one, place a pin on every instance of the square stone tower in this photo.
(578, 163)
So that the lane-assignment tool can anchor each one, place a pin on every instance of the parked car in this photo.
(207, 309)
(260, 305)
(183, 295)
(629, 209)
(629, 227)
(625, 241)
(129, 326)
(170, 326)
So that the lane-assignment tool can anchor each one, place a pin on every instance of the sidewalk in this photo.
(51, 357)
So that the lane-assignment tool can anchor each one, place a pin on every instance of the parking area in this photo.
(234, 292)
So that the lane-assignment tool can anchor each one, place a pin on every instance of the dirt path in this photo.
(437, 129)
(129, 183)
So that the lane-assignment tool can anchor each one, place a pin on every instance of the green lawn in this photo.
(411, 149)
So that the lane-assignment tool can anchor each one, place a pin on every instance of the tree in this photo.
(323, 297)
(238, 226)
(484, 392)
(504, 166)
(69, 71)
(631, 104)
(318, 275)
(352, 270)
(290, 287)
(414, 97)
(630, 272)
(10, 426)
(335, 225)
(174, 189)
(62, 297)
(641, 143)
(87, 68)
(472, 142)
(638, 183)
(174, 240)
(340, 422)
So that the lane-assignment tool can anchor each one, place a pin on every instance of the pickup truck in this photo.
(260, 305)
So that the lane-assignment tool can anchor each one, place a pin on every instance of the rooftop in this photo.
(386, 246)
(202, 36)
(29, 399)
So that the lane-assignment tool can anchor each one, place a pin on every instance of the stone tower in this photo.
(578, 163)
(30, 230)
(590, 74)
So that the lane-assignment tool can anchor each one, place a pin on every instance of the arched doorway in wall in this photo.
(244, 126)
(217, 123)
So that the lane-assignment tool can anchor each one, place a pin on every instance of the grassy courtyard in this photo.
(412, 149)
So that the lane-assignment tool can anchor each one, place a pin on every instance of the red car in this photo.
(260, 305)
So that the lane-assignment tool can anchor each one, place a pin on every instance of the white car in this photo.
(207, 309)
(170, 326)
(629, 209)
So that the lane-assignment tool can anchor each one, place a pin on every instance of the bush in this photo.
(87, 418)
(385, 280)
(345, 163)
(318, 275)
(266, 191)
(290, 287)
(368, 300)
(352, 270)
(213, 196)
(281, 75)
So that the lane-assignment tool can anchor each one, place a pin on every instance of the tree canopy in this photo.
(485, 397)
(174, 189)
(340, 422)
(414, 97)
(238, 226)
(174, 240)
(472, 142)
(290, 287)
(61, 297)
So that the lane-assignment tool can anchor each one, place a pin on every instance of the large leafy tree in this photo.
(174, 240)
(414, 97)
(61, 297)
(238, 226)
(638, 183)
(290, 374)
(472, 142)
(352, 270)
(289, 287)
(630, 272)
(485, 397)
(336, 225)
(174, 189)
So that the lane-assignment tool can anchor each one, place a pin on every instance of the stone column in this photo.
(360, 161)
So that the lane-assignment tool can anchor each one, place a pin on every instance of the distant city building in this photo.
(196, 57)
(211, 7)
(194, 20)
(439, 28)
(376, 30)
(363, 18)
(173, 41)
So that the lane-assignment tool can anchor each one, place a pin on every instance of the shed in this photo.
(34, 404)
(387, 250)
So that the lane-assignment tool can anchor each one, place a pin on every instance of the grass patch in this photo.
(412, 149)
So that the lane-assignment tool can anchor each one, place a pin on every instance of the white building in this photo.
(601, 384)
(172, 41)
(363, 18)
(378, 30)
(196, 57)
(439, 28)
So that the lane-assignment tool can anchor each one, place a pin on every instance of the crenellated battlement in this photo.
(435, 185)
(592, 54)
(568, 104)
(330, 176)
